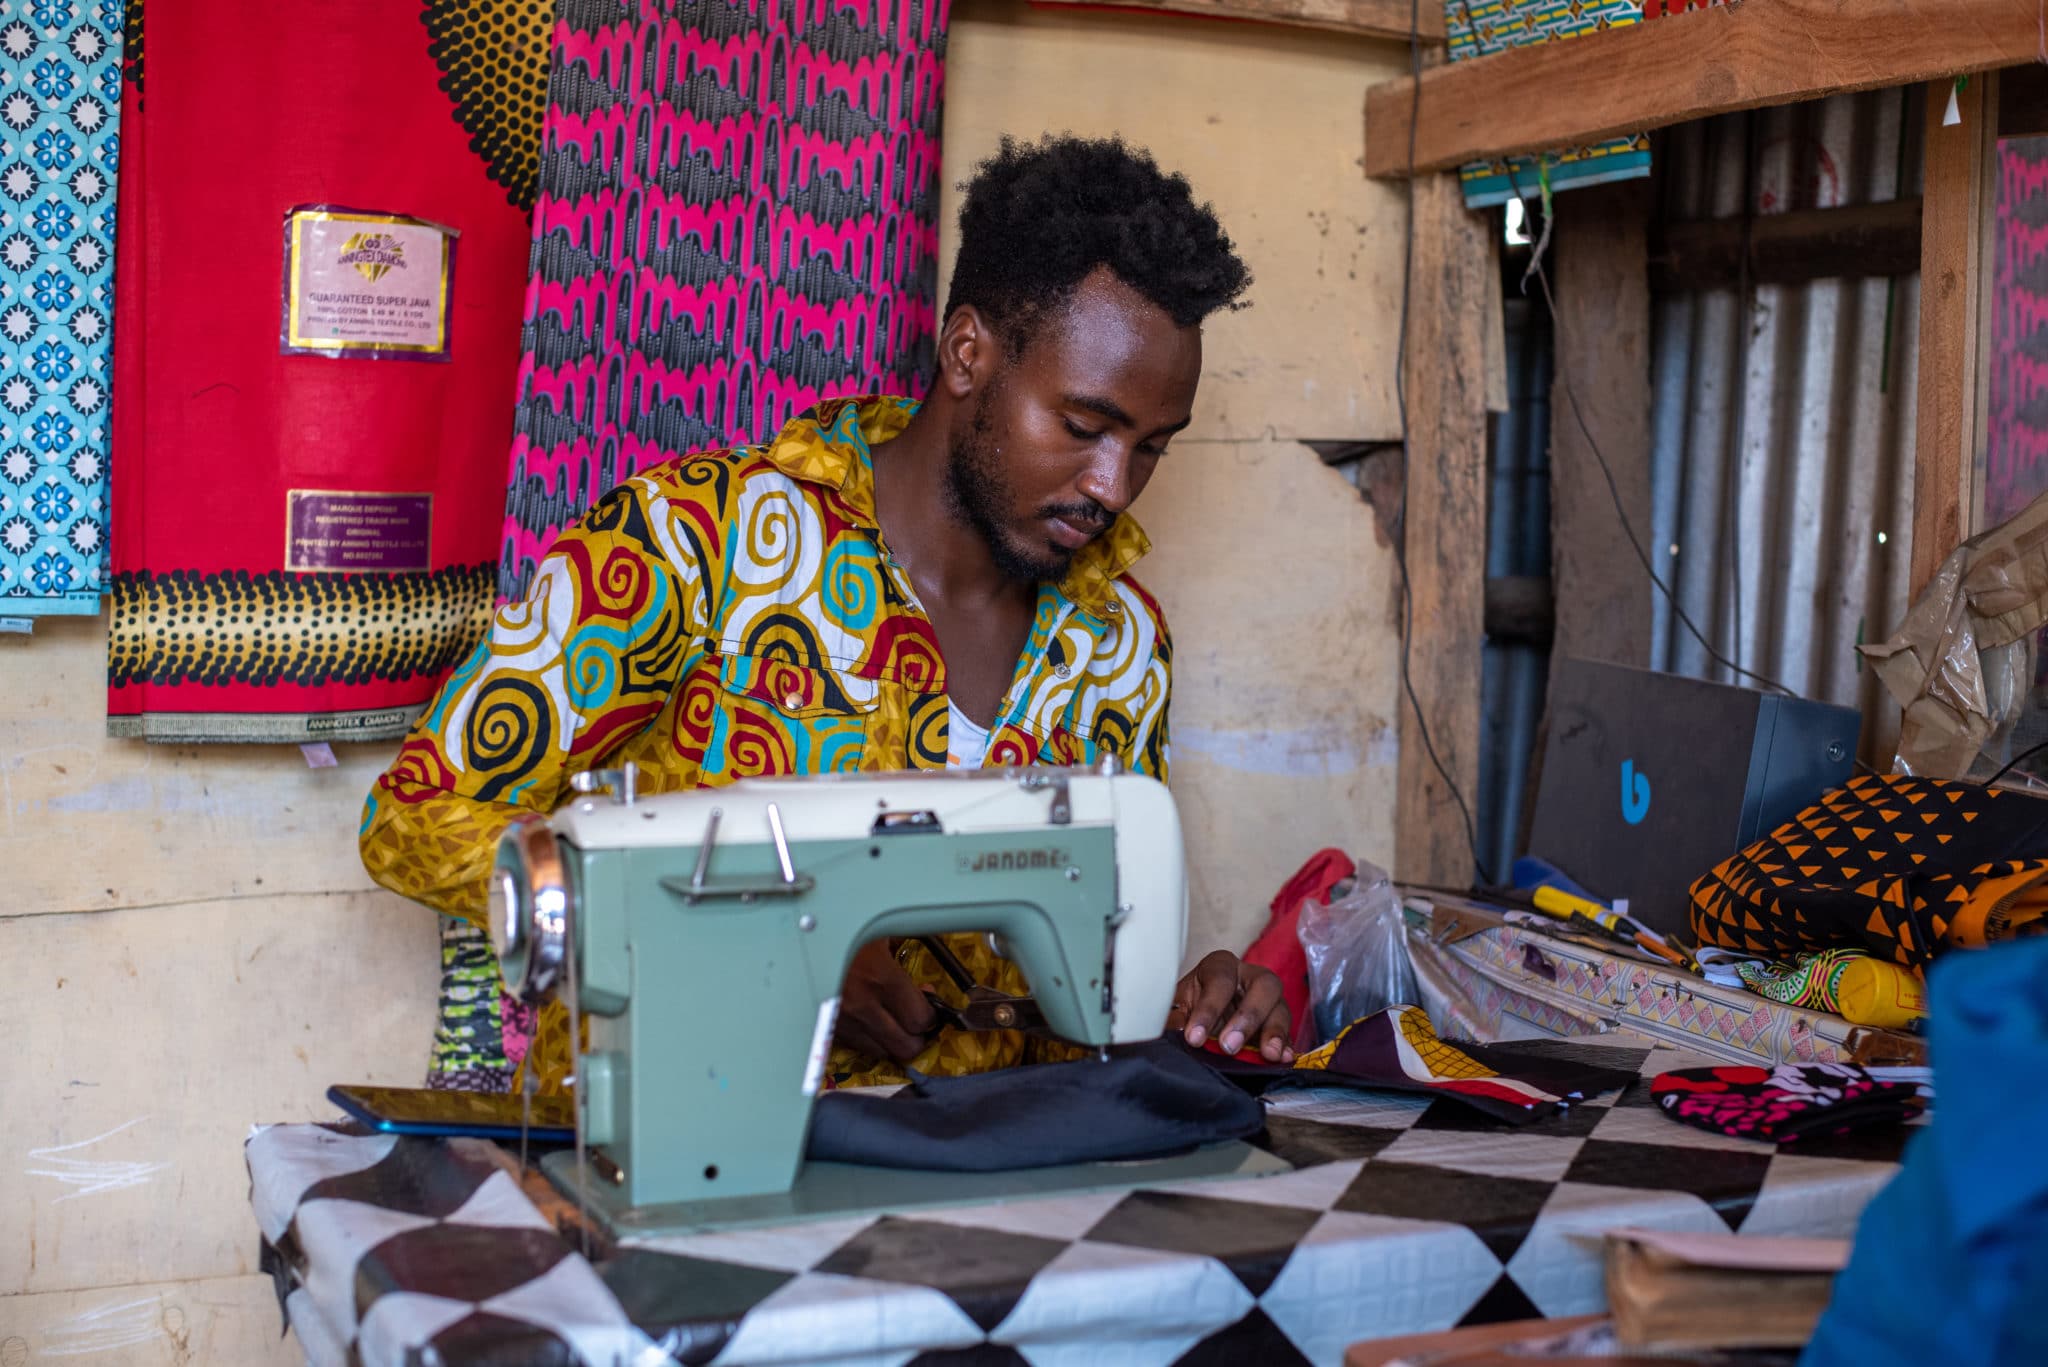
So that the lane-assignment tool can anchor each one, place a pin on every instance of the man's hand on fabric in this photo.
(1234, 1002)
(882, 1012)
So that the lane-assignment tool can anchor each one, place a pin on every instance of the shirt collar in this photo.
(833, 445)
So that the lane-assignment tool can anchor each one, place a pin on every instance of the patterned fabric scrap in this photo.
(1398, 1050)
(1480, 28)
(218, 630)
(60, 103)
(1903, 868)
(1848, 982)
(738, 217)
(1789, 1102)
(470, 1052)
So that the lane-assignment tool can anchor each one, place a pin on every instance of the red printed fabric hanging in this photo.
(324, 240)
(737, 218)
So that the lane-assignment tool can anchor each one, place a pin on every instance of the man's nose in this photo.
(1108, 480)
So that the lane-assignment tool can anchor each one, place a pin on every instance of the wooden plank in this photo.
(1686, 66)
(1954, 272)
(1602, 286)
(1367, 18)
(1469, 1344)
(157, 1324)
(142, 1045)
(1858, 241)
(1444, 528)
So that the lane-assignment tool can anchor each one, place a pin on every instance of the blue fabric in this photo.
(60, 104)
(1951, 1259)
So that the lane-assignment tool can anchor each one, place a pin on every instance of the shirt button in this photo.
(1062, 671)
(792, 701)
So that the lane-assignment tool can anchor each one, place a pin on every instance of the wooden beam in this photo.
(1955, 266)
(1686, 66)
(1371, 18)
(1602, 329)
(1444, 529)
(1859, 241)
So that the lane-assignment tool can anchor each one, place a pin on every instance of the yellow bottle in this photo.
(1875, 993)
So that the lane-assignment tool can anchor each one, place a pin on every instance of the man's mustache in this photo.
(1090, 517)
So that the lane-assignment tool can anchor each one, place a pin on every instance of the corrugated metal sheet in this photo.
(1782, 433)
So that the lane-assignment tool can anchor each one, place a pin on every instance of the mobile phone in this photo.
(442, 1114)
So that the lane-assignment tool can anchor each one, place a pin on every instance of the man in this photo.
(884, 585)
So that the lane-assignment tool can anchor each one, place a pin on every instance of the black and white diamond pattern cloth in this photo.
(1405, 1215)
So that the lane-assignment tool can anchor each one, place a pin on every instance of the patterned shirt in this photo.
(735, 614)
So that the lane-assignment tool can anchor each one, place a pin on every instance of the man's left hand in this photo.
(1228, 999)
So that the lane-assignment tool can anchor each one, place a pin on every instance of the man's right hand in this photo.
(882, 1013)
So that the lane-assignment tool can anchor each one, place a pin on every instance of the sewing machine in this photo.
(704, 937)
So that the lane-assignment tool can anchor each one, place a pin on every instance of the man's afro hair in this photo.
(1039, 218)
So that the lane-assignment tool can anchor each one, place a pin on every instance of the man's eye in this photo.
(1153, 451)
(1078, 432)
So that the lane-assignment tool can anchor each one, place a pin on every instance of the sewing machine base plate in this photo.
(830, 1191)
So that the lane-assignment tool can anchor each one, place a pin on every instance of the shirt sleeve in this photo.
(564, 677)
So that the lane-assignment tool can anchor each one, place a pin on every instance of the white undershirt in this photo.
(966, 743)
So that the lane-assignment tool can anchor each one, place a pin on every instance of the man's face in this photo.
(1062, 438)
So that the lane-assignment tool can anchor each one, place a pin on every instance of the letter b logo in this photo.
(1635, 793)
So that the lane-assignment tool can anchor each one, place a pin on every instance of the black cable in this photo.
(1614, 490)
(2007, 767)
(1401, 402)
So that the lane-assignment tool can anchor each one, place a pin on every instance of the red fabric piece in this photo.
(1279, 947)
(250, 110)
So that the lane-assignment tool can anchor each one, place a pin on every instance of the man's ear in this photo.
(968, 353)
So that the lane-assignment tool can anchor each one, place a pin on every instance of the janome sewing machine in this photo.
(704, 937)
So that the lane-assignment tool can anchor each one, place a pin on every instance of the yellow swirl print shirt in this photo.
(734, 615)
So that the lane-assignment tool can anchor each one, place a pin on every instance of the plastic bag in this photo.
(1357, 948)
(1961, 664)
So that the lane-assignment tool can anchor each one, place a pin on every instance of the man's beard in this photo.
(980, 495)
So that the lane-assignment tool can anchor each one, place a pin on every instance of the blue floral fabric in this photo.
(60, 102)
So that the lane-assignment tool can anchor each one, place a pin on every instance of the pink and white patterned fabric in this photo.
(737, 218)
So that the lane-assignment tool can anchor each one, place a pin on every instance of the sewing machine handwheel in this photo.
(529, 908)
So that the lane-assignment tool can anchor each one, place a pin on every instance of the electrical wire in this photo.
(1614, 490)
(2012, 763)
(1400, 538)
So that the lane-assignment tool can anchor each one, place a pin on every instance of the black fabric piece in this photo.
(1148, 1101)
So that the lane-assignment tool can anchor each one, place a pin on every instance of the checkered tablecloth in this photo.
(1405, 1215)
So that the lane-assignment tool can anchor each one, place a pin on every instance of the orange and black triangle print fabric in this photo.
(1902, 867)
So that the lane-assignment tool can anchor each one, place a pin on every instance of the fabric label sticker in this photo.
(331, 531)
(366, 285)
(821, 1045)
